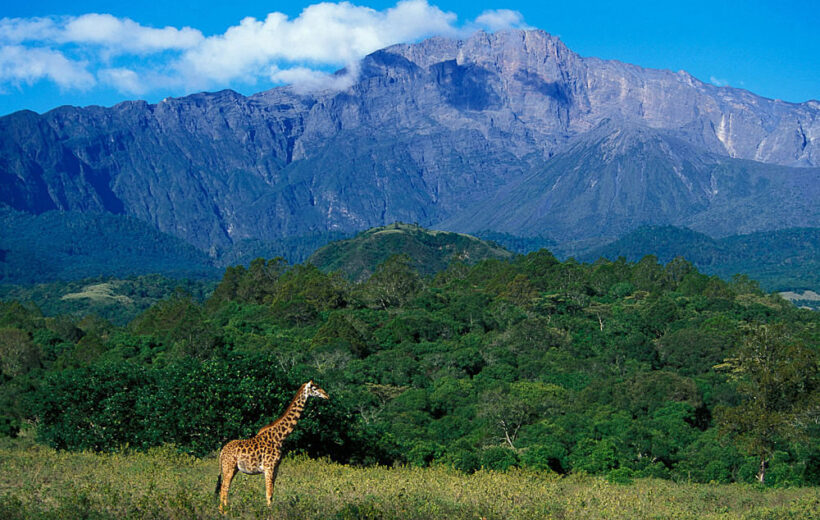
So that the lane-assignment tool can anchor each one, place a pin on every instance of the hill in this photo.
(783, 260)
(116, 300)
(74, 245)
(430, 251)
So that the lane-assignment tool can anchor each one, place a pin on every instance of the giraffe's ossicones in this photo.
(262, 452)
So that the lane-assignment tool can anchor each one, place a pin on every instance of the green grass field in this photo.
(38, 482)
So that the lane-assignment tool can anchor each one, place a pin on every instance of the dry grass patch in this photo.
(38, 482)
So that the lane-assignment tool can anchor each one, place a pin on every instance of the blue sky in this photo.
(102, 52)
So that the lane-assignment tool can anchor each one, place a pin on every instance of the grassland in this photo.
(100, 293)
(38, 482)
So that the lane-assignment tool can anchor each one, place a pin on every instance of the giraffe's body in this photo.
(262, 452)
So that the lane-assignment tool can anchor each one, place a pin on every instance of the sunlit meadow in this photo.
(39, 482)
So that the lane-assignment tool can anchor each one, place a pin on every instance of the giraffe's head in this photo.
(312, 390)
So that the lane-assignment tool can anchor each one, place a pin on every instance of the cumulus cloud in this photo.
(126, 35)
(77, 52)
(501, 19)
(322, 34)
(123, 79)
(305, 79)
(19, 30)
(103, 30)
(21, 65)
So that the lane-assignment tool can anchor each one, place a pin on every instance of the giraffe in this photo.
(262, 452)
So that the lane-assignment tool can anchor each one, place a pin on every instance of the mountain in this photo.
(509, 132)
(620, 176)
(780, 260)
(430, 251)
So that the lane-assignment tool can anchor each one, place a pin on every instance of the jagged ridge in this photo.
(426, 134)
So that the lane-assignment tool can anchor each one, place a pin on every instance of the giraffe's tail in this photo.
(218, 484)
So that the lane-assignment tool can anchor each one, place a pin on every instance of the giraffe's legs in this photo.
(270, 476)
(270, 480)
(228, 472)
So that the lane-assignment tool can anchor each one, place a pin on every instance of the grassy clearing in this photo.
(38, 482)
(100, 293)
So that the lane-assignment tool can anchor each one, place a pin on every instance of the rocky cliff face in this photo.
(428, 133)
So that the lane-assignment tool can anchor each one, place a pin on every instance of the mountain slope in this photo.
(425, 133)
(74, 245)
(621, 176)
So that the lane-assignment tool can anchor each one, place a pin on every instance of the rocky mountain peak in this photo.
(441, 131)
(507, 50)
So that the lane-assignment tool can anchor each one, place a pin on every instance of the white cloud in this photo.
(123, 79)
(19, 30)
(322, 34)
(126, 35)
(22, 65)
(103, 30)
(136, 59)
(501, 19)
(718, 81)
(305, 79)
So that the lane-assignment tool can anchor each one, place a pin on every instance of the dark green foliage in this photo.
(498, 458)
(556, 366)
(197, 405)
(295, 249)
(778, 380)
(516, 243)
(781, 260)
(72, 245)
(116, 300)
(18, 354)
(392, 284)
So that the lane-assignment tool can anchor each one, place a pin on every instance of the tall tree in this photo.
(394, 283)
(777, 377)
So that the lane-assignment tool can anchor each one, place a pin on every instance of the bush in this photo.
(620, 476)
(594, 456)
(545, 457)
(498, 458)
(198, 405)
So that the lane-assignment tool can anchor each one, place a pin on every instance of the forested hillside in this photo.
(72, 245)
(615, 368)
(118, 300)
(780, 260)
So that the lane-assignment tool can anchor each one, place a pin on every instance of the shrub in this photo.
(498, 458)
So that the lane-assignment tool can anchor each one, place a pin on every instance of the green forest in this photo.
(612, 368)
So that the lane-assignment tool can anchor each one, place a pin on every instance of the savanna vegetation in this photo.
(562, 375)
(40, 483)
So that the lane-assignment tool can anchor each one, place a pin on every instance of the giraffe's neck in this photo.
(295, 408)
(287, 422)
